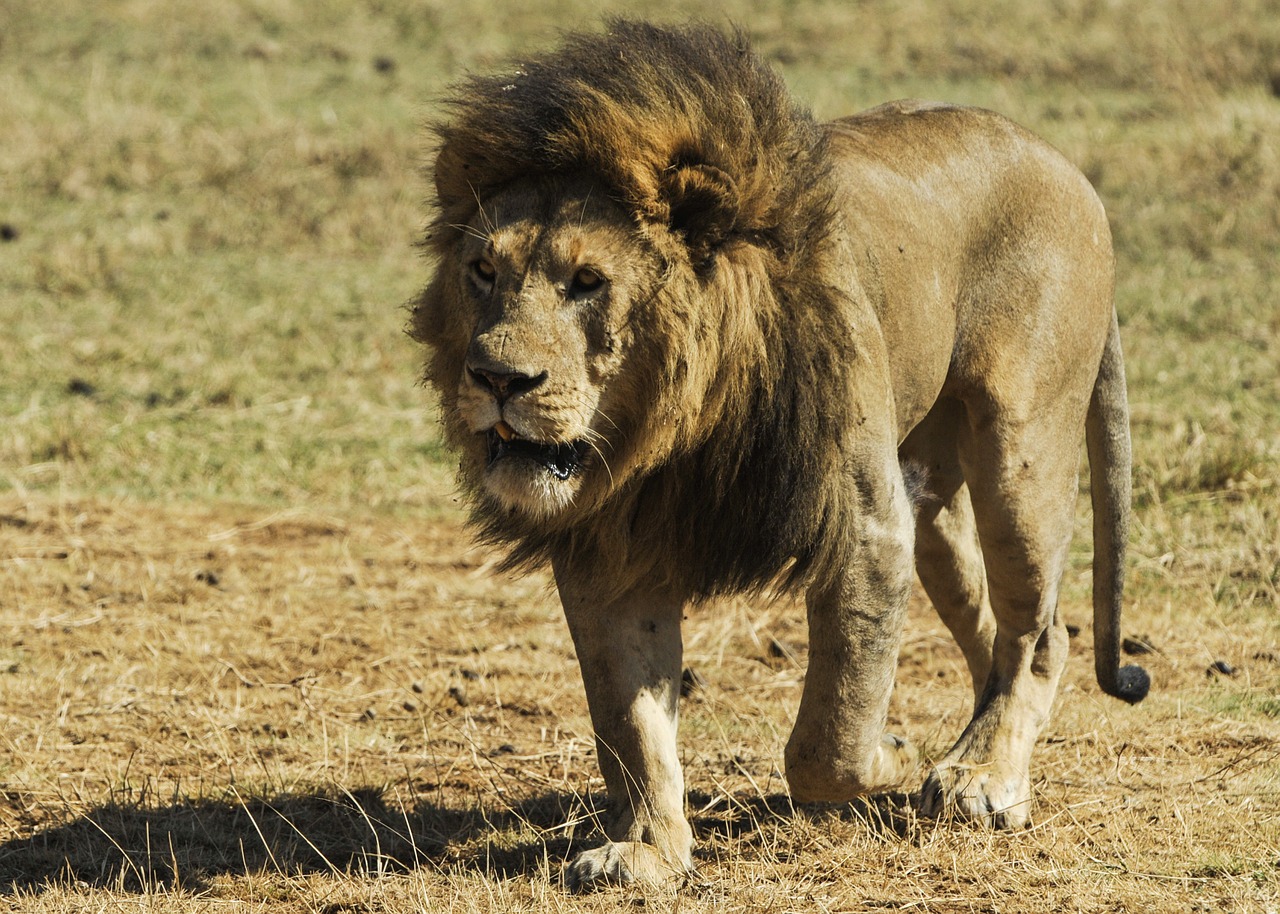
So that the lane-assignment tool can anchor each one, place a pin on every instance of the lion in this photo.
(685, 339)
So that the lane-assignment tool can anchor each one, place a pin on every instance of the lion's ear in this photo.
(702, 206)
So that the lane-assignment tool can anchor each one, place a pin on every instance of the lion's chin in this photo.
(538, 479)
(520, 484)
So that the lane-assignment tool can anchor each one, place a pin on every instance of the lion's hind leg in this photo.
(948, 554)
(1023, 483)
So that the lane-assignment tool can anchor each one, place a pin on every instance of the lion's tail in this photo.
(1110, 464)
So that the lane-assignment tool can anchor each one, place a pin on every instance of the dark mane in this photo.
(631, 106)
(698, 138)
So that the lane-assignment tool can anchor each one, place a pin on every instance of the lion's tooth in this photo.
(505, 432)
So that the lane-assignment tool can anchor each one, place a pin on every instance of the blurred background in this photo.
(208, 212)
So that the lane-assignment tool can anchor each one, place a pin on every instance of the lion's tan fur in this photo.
(776, 315)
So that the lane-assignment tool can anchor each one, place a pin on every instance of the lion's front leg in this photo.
(629, 650)
(838, 748)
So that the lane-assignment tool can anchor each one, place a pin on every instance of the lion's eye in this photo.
(584, 281)
(483, 272)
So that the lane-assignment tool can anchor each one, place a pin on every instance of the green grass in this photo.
(216, 203)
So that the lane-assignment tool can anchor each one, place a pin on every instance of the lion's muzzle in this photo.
(504, 384)
(560, 460)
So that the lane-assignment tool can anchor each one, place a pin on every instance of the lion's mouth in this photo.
(560, 460)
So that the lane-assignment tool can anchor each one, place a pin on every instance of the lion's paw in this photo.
(622, 863)
(896, 761)
(820, 775)
(995, 795)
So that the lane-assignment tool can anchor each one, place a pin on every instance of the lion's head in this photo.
(542, 283)
(623, 231)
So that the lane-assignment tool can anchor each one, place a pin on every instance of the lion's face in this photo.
(546, 276)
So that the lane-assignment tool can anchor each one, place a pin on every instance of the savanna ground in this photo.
(249, 659)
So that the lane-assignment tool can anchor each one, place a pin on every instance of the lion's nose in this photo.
(505, 384)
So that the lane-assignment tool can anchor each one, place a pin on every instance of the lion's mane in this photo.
(729, 468)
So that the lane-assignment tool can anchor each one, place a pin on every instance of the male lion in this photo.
(685, 339)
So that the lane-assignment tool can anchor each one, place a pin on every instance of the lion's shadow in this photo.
(147, 846)
(144, 847)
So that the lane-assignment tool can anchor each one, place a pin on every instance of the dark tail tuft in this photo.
(1131, 684)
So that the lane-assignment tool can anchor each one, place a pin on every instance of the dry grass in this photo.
(299, 712)
(250, 662)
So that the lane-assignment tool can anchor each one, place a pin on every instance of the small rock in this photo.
(1220, 668)
(368, 714)
(79, 387)
(459, 696)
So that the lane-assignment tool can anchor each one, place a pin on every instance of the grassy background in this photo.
(206, 222)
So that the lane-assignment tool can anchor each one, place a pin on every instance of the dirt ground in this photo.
(205, 702)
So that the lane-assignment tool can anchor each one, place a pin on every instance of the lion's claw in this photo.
(986, 794)
(595, 869)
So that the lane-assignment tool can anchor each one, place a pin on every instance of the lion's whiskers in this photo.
(470, 231)
(605, 416)
(488, 223)
(591, 436)
(604, 461)
(582, 215)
